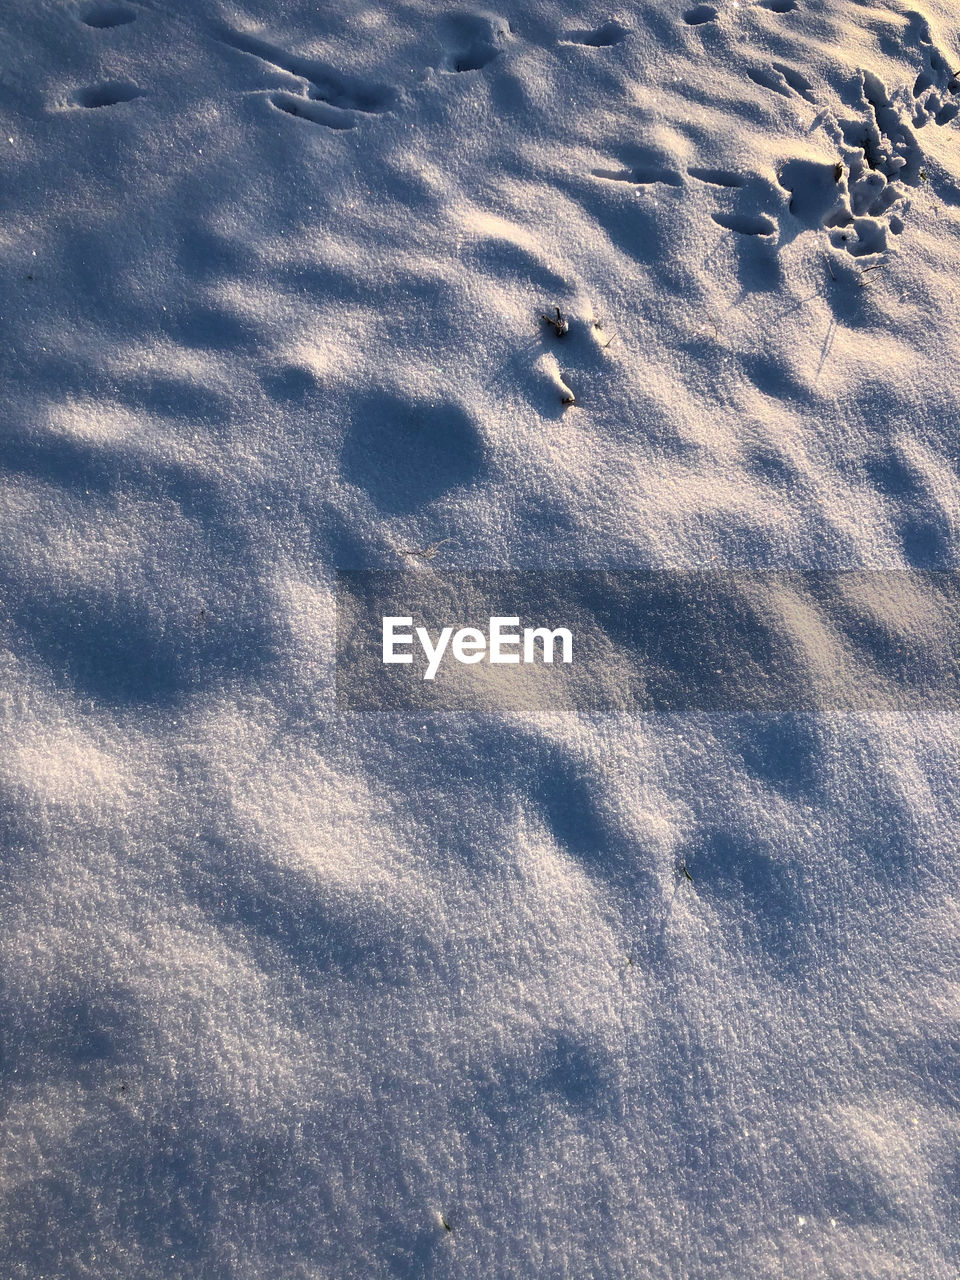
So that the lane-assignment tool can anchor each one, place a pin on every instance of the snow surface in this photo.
(288, 993)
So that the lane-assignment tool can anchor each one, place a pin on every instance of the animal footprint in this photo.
(872, 194)
(472, 41)
(640, 177)
(779, 6)
(642, 167)
(783, 80)
(700, 14)
(887, 143)
(815, 191)
(850, 202)
(746, 224)
(601, 38)
(797, 82)
(104, 16)
(313, 110)
(326, 85)
(717, 177)
(107, 94)
(753, 195)
(936, 82)
(871, 237)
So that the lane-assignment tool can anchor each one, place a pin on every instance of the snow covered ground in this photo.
(288, 993)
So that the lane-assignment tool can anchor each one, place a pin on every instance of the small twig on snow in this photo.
(559, 323)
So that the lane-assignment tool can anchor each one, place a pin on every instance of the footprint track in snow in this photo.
(937, 83)
(782, 79)
(640, 177)
(880, 157)
(602, 37)
(746, 224)
(810, 195)
(749, 195)
(849, 205)
(717, 177)
(105, 16)
(880, 134)
(315, 111)
(859, 197)
(471, 40)
(331, 95)
(700, 14)
(109, 93)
